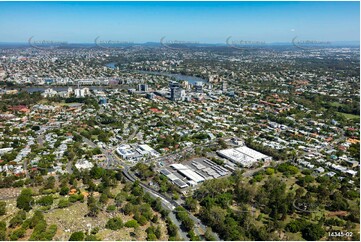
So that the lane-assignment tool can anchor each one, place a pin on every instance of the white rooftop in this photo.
(243, 155)
(188, 173)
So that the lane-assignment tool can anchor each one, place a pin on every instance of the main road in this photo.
(167, 203)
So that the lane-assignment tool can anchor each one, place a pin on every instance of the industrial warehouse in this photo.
(244, 156)
(194, 172)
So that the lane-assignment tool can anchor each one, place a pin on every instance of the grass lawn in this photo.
(350, 116)
(336, 104)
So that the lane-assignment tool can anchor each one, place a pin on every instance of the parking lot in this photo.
(193, 172)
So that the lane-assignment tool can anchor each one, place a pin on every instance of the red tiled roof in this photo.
(155, 110)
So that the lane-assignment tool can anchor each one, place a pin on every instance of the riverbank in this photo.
(178, 77)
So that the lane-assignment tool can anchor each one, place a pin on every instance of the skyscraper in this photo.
(174, 84)
(198, 87)
(142, 87)
(175, 91)
(224, 86)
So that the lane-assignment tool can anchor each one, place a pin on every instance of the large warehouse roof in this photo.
(188, 173)
(252, 153)
(243, 155)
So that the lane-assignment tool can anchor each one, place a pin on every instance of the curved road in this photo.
(167, 203)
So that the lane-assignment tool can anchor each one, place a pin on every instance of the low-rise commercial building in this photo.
(244, 156)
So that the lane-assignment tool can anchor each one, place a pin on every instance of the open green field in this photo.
(350, 116)
(336, 104)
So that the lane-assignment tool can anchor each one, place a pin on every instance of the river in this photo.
(177, 77)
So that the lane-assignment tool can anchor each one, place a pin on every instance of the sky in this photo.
(203, 22)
